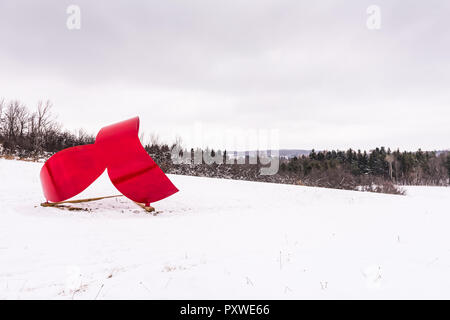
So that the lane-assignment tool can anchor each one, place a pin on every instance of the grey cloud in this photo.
(287, 64)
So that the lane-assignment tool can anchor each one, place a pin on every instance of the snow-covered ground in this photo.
(223, 239)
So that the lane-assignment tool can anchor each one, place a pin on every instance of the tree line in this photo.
(404, 168)
(26, 133)
(36, 134)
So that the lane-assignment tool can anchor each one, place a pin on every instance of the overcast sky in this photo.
(311, 69)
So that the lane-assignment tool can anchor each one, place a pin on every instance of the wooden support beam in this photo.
(146, 208)
(57, 204)
(61, 205)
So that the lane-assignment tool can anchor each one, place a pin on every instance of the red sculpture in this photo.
(117, 148)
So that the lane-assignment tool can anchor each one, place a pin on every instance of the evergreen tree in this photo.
(448, 164)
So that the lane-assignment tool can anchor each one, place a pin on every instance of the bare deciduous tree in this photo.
(154, 139)
(31, 134)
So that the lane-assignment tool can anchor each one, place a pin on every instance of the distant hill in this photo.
(288, 153)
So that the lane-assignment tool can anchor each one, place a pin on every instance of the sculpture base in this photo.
(63, 204)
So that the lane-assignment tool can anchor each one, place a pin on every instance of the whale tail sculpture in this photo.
(118, 150)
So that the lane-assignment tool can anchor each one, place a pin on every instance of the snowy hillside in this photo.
(223, 239)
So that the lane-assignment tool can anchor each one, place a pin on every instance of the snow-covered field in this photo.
(223, 239)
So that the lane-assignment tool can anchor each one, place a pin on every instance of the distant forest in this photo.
(26, 134)
(32, 134)
(404, 168)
